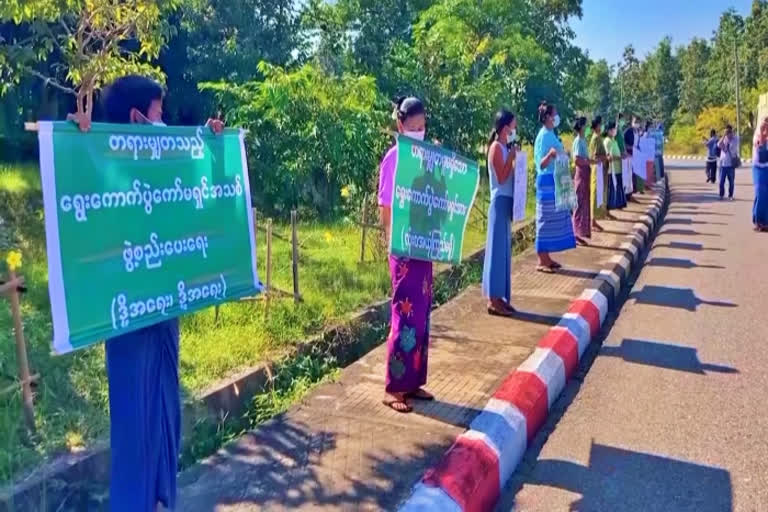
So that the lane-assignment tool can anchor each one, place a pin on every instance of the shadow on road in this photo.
(678, 220)
(685, 232)
(689, 247)
(667, 296)
(619, 480)
(678, 263)
(663, 355)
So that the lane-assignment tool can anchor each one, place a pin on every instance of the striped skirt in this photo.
(554, 229)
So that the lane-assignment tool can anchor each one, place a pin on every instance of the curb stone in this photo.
(472, 473)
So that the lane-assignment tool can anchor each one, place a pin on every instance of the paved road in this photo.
(672, 415)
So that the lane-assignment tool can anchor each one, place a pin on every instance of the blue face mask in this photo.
(556, 121)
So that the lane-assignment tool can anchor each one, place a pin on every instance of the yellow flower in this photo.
(328, 236)
(13, 260)
(344, 191)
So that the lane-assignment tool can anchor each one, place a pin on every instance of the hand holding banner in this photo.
(143, 224)
(434, 190)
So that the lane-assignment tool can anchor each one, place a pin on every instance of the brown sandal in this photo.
(421, 394)
(398, 405)
(544, 269)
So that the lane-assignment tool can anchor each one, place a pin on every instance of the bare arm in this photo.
(504, 169)
(548, 158)
(385, 216)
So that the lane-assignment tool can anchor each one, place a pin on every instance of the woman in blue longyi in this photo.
(554, 229)
(143, 365)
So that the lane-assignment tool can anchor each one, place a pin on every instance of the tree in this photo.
(78, 45)
(693, 77)
(597, 90)
(664, 75)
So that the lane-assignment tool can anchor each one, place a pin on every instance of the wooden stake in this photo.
(295, 256)
(21, 357)
(269, 264)
(365, 228)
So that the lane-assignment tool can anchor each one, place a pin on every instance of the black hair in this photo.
(648, 125)
(127, 93)
(597, 121)
(610, 126)
(579, 124)
(545, 109)
(408, 106)
(621, 115)
(503, 118)
(712, 132)
(728, 128)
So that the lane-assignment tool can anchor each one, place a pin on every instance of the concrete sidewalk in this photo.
(342, 450)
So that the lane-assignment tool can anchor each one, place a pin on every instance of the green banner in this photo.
(433, 193)
(143, 223)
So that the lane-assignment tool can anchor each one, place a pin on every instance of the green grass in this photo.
(71, 401)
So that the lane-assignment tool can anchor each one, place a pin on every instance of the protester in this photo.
(637, 174)
(497, 268)
(582, 220)
(616, 196)
(620, 135)
(760, 177)
(598, 156)
(728, 151)
(554, 230)
(408, 341)
(659, 134)
(143, 365)
(712, 153)
(627, 134)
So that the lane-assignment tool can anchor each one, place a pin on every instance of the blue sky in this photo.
(609, 25)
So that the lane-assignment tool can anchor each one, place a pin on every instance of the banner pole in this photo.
(22, 360)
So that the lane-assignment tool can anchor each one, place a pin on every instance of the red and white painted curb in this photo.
(472, 473)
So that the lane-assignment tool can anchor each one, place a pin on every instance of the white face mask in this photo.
(556, 121)
(512, 135)
(415, 135)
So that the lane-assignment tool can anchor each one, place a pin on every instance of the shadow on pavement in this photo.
(537, 318)
(445, 412)
(667, 296)
(663, 355)
(689, 247)
(572, 272)
(690, 211)
(678, 220)
(678, 263)
(619, 480)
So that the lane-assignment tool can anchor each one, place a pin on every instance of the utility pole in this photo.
(738, 98)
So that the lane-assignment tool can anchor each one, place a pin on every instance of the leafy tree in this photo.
(693, 77)
(597, 90)
(310, 134)
(663, 75)
(78, 45)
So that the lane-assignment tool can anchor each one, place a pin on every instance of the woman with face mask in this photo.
(598, 156)
(760, 177)
(497, 268)
(554, 229)
(408, 340)
(582, 220)
(617, 198)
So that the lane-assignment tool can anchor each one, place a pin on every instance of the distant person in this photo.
(627, 135)
(617, 199)
(760, 177)
(712, 153)
(658, 134)
(728, 151)
(554, 230)
(598, 156)
(582, 178)
(408, 341)
(637, 174)
(143, 365)
(497, 268)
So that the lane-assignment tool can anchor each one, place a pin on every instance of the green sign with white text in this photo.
(432, 198)
(143, 223)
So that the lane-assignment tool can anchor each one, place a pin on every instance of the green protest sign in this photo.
(433, 193)
(143, 224)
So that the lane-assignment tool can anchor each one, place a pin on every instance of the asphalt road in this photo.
(672, 414)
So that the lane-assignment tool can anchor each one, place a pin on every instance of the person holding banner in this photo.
(760, 177)
(408, 340)
(597, 154)
(617, 199)
(143, 365)
(554, 228)
(582, 220)
(497, 267)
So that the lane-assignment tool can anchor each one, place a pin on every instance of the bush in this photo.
(311, 135)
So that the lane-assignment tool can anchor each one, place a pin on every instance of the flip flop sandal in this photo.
(545, 269)
(391, 403)
(555, 266)
(421, 395)
(496, 312)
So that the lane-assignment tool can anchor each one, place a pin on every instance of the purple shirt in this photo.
(387, 177)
